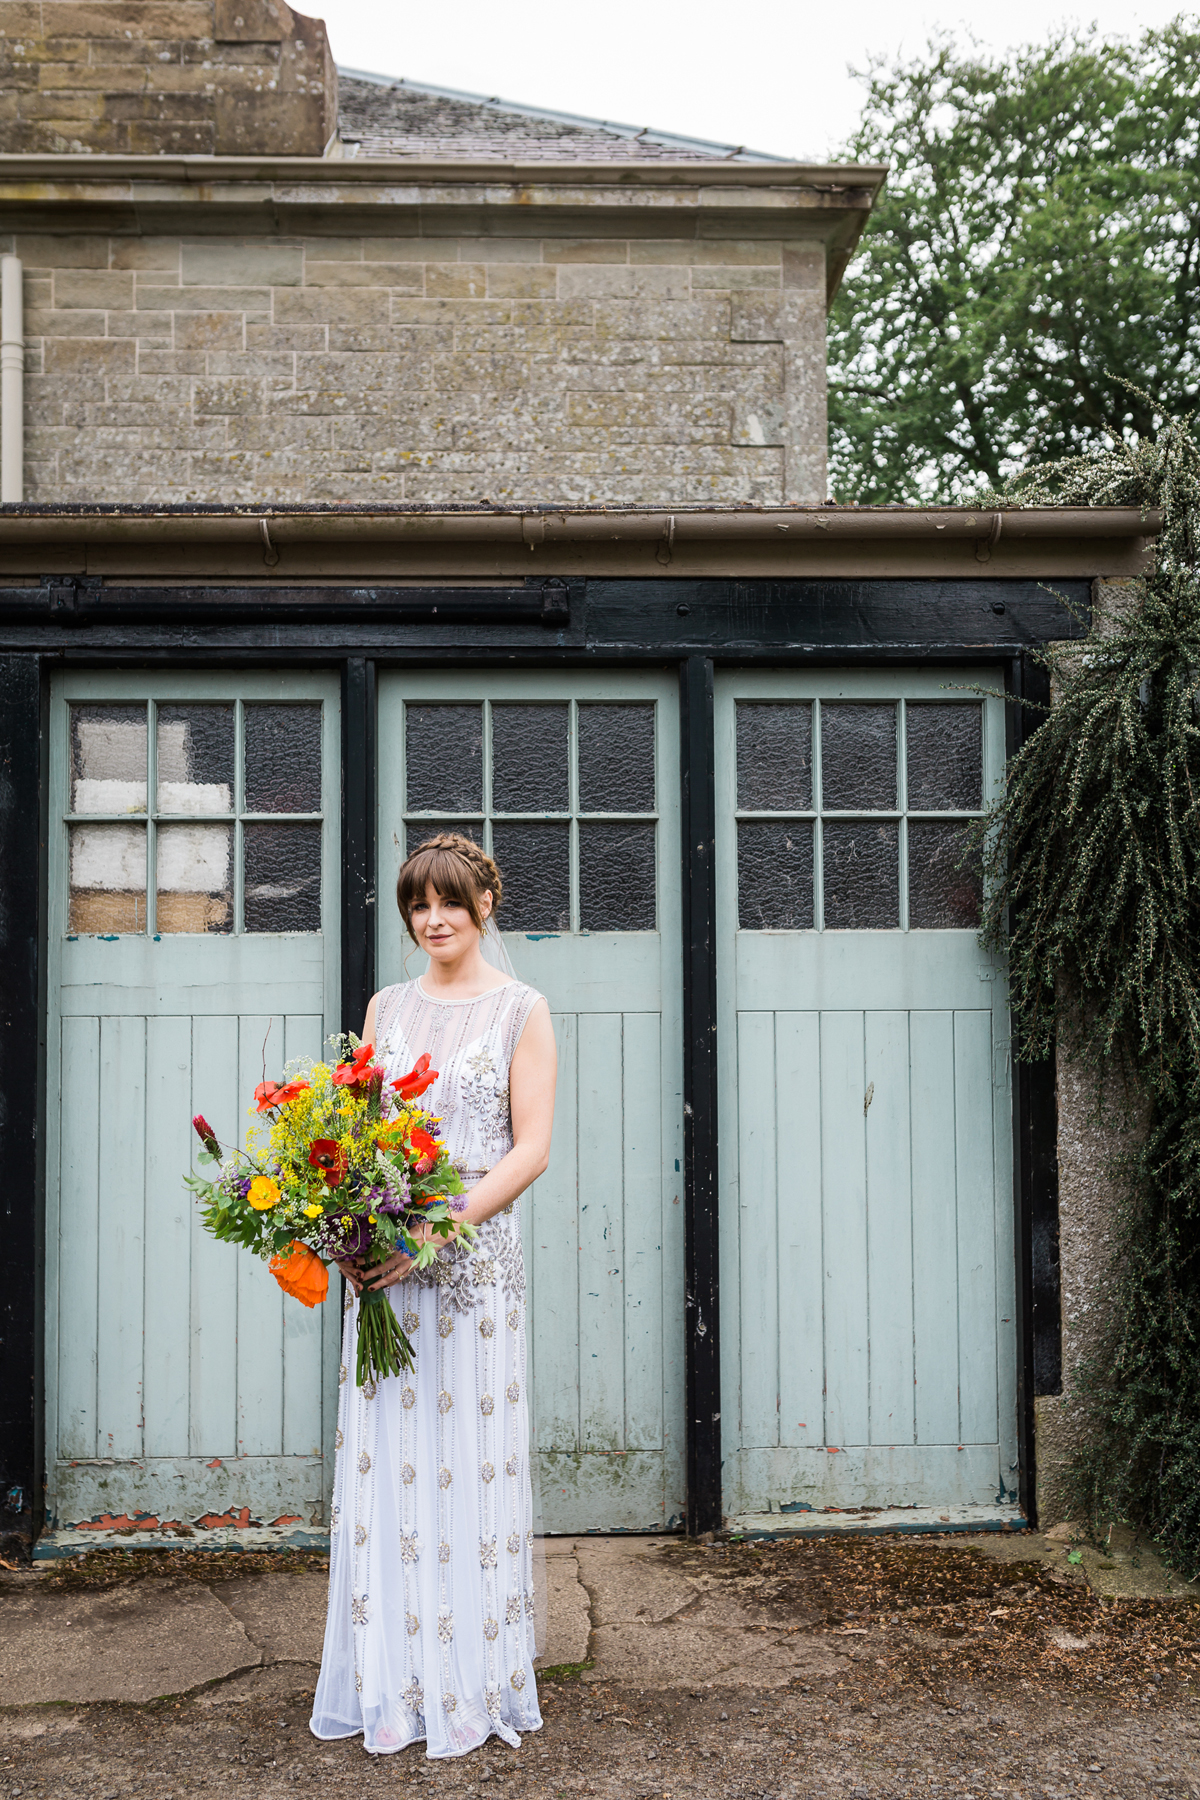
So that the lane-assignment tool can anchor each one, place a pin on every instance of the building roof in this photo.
(379, 115)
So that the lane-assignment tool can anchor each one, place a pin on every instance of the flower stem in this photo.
(383, 1349)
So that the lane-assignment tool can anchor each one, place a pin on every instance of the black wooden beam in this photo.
(700, 1097)
(358, 840)
(22, 931)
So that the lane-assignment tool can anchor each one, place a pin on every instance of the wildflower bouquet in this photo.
(338, 1169)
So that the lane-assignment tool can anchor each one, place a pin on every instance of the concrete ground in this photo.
(1011, 1665)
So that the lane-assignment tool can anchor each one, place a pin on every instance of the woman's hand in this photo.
(399, 1263)
(353, 1272)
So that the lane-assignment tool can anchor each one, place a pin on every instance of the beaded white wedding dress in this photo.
(430, 1630)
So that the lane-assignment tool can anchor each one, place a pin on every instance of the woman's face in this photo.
(444, 928)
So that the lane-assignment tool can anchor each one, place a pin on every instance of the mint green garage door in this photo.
(193, 865)
(572, 782)
(867, 1306)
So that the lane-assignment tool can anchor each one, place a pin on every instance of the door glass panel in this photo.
(444, 758)
(616, 877)
(945, 888)
(282, 877)
(775, 874)
(535, 863)
(195, 760)
(108, 877)
(858, 758)
(108, 759)
(774, 758)
(419, 831)
(616, 759)
(195, 878)
(529, 759)
(945, 757)
(283, 759)
(862, 874)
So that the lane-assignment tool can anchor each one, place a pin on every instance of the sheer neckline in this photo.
(474, 999)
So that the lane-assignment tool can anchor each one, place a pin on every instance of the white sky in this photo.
(768, 73)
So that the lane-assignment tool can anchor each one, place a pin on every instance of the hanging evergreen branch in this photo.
(1093, 859)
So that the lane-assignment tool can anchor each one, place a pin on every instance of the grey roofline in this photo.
(668, 138)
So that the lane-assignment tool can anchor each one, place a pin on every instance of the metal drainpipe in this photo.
(12, 379)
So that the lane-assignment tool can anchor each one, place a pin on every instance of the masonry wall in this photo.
(400, 368)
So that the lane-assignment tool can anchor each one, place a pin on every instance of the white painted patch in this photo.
(111, 749)
(193, 798)
(108, 795)
(194, 859)
(112, 857)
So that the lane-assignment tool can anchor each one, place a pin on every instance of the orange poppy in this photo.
(419, 1077)
(422, 1143)
(360, 1071)
(269, 1094)
(301, 1273)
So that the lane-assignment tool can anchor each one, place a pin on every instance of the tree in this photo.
(1037, 244)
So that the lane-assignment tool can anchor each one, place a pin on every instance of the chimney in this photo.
(164, 78)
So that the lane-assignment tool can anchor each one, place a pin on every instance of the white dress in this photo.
(430, 1630)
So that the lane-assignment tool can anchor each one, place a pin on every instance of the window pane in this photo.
(195, 759)
(108, 760)
(945, 757)
(529, 759)
(941, 894)
(616, 877)
(616, 759)
(282, 877)
(775, 875)
(858, 757)
(108, 877)
(283, 759)
(419, 831)
(195, 878)
(444, 758)
(535, 868)
(774, 758)
(862, 874)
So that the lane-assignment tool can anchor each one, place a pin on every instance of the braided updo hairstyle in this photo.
(459, 868)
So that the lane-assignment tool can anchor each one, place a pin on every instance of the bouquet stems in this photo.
(383, 1348)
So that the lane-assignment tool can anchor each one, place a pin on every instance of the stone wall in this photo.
(148, 77)
(398, 368)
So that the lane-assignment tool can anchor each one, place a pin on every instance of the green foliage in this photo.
(1093, 859)
(1040, 227)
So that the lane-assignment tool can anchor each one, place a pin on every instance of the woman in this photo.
(430, 1625)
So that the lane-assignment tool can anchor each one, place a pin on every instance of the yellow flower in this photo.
(313, 1212)
(372, 1220)
(263, 1193)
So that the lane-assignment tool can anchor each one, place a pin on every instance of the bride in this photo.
(430, 1626)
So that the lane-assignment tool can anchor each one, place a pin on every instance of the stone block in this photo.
(241, 265)
(271, 433)
(141, 325)
(739, 279)
(332, 249)
(228, 396)
(166, 137)
(403, 249)
(209, 331)
(37, 252)
(491, 250)
(604, 281)
(521, 281)
(804, 266)
(309, 338)
(756, 320)
(407, 278)
(455, 281)
(158, 254)
(43, 322)
(706, 316)
(107, 288)
(140, 18)
(274, 369)
(585, 250)
(98, 358)
(315, 306)
(171, 362)
(203, 299)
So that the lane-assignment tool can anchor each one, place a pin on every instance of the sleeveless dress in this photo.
(430, 1629)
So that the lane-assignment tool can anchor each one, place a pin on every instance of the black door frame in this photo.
(694, 626)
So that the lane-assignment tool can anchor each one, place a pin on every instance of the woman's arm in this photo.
(531, 1080)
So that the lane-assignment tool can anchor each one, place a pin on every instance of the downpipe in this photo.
(12, 379)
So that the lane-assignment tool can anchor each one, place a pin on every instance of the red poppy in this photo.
(206, 1134)
(269, 1094)
(419, 1077)
(422, 1143)
(328, 1156)
(361, 1071)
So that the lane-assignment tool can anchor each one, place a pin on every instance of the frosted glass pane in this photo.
(535, 866)
(108, 759)
(444, 758)
(862, 874)
(282, 877)
(418, 832)
(941, 894)
(945, 757)
(774, 758)
(108, 878)
(529, 759)
(283, 759)
(616, 759)
(195, 878)
(195, 759)
(775, 875)
(858, 757)
(616, 877)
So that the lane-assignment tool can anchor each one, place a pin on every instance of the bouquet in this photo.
(337, 1168)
